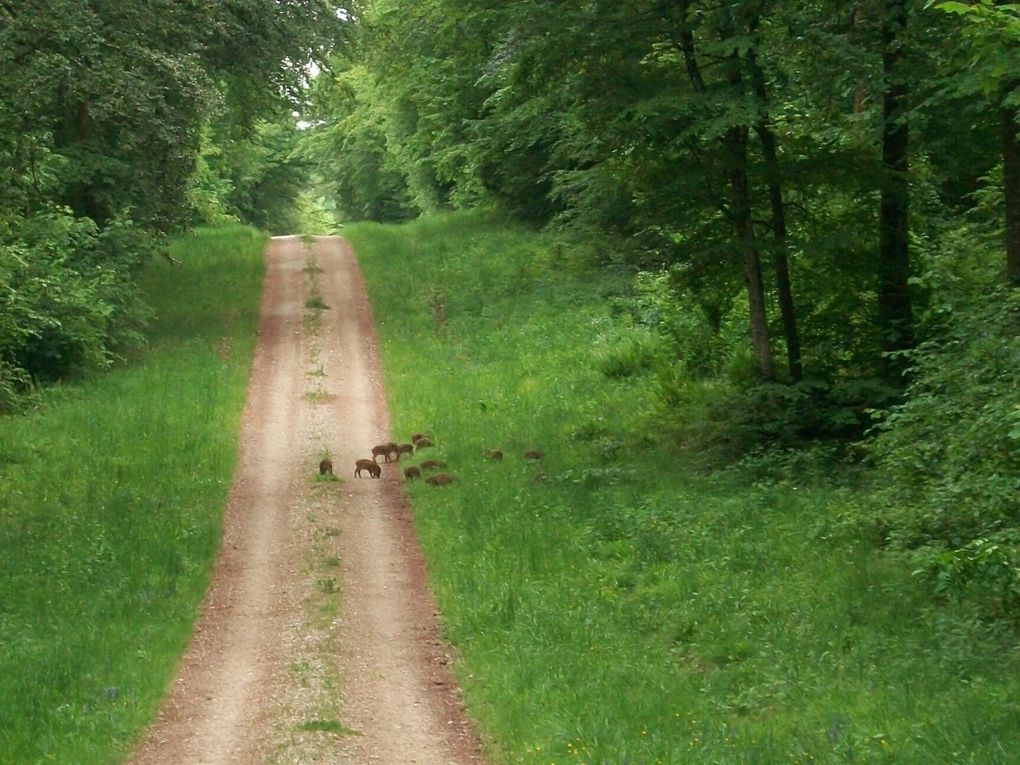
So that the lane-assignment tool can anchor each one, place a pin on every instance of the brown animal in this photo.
(534, 454)
(412, 472)
(439, 479)
(419, 437)
(326, 466)
(370, 465)
(404, 449)
(385, 450)
(494, 454)
(432, 464)
(423, 443)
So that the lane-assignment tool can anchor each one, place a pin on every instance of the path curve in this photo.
(317, 641)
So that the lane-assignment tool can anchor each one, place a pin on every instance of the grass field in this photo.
(111, 495)
(611, 602)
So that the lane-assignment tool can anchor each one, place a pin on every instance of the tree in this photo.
(992, 35)
(103, 106)
(895, 313)
(780, 247)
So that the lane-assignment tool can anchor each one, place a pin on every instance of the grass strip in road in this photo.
(111, 497)
(611, 603)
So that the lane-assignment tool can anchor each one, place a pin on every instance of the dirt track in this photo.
(317, 641)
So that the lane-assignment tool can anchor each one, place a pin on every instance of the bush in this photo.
(952, 454)
(731, 421)
(67, 300)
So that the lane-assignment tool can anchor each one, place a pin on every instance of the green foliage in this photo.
(266, 177)
(789, 416)
(209, 190)
(610, 603)
(349, 148)
(638, 123)
(68, 305)
(111, 494)
(107, 100)
(704, 378)
(106, 143)
(697, 337)
(621, 120)
(992, 34)
(952, 450)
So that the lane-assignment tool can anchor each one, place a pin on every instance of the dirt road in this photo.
(317, 641)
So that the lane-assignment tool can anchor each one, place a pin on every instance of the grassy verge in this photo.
(111, 497)
(611, 603)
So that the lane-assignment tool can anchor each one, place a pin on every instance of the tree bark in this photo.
(86, 195)
(1011, 182)
(740, 211)
(735, 156)
(780, 252)
(895, 312)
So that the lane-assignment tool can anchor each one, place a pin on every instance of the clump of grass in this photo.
(112, 493)
(317, 396)
(628, 608)
(328, 726)
(316, 302)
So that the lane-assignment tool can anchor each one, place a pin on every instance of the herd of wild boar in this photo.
(392, 452)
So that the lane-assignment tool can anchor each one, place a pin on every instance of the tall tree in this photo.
(735, 159)
(780, 248)
(895, 313)
(1011, 186)
(992, 38)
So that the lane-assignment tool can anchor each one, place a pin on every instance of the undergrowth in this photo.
(611, 602)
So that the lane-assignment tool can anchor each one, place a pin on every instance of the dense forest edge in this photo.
(800, 226)
(625, 598)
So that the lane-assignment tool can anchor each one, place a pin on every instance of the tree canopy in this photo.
(103, 110)
(820, 200)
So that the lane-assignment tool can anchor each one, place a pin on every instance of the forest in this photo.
(815, 208)
(819, 202)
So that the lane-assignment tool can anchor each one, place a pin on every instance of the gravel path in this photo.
(317, 641)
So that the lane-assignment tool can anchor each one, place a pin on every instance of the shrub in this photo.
(67, 300)
(733, 421)
(952, 454)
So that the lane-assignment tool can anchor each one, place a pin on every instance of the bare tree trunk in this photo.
(895, 312)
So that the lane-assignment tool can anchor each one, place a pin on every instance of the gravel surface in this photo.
(317, 641)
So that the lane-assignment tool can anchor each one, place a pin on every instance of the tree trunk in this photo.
(740, 211)
(1011, 179)
(735, 156)
(895, 312)
(780, 257)
(85, 197)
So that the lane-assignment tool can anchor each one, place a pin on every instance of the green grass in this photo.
(111, 496)
(327, 726)
(610, 602)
